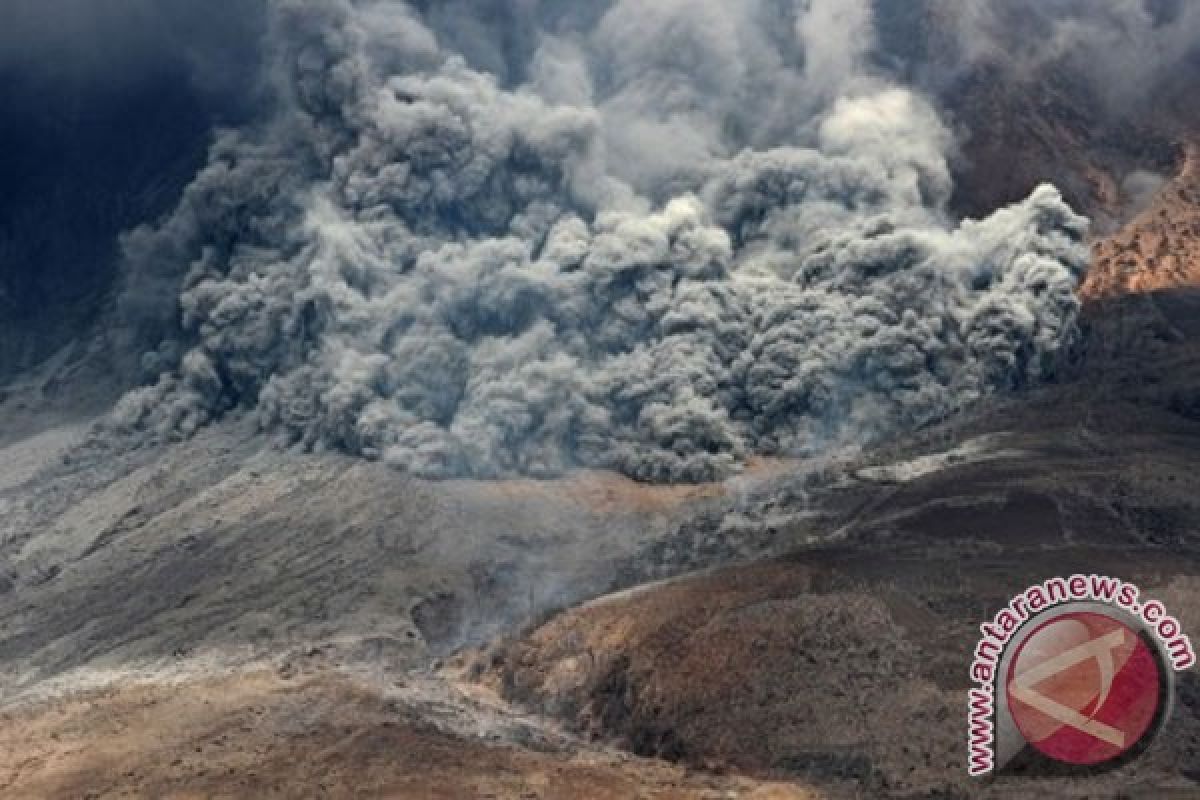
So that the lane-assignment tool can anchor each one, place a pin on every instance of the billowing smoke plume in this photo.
(651, 235)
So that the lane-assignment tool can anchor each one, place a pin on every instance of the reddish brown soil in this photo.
(1160, 248)
(850, 680)
(260, 736)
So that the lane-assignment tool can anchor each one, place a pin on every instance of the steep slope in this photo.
(846, 663)
(1052, 127)
(226, 616)
(1160, 248)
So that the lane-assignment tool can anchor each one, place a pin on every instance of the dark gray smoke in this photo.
(657, 238)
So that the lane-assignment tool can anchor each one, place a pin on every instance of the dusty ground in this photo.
(136, 587)
(223, 545)
(838, 670)
(218, 618)
(840, 665)
(845, 663)
(262, 736)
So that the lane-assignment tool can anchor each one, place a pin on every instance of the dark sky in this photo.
(106, 110)
(119, 41)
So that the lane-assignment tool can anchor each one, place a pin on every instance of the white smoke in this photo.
(656, 238)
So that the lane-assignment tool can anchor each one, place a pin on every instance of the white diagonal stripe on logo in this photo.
(1101, 650)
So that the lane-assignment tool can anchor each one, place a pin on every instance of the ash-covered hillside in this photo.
(578, 399)
(660, 239)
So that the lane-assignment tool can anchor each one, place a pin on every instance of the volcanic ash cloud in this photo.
(415, 260)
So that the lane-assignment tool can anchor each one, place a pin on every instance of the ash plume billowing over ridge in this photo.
(657, 237)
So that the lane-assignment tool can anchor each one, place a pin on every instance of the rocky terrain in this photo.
(812, 634)
(1159, 249)
(1053, 127)
(846, 664)
(219, 597)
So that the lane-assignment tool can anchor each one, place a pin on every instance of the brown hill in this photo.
(845, 663)
(1160, 247)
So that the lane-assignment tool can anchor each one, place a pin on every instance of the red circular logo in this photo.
(1084, 688)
